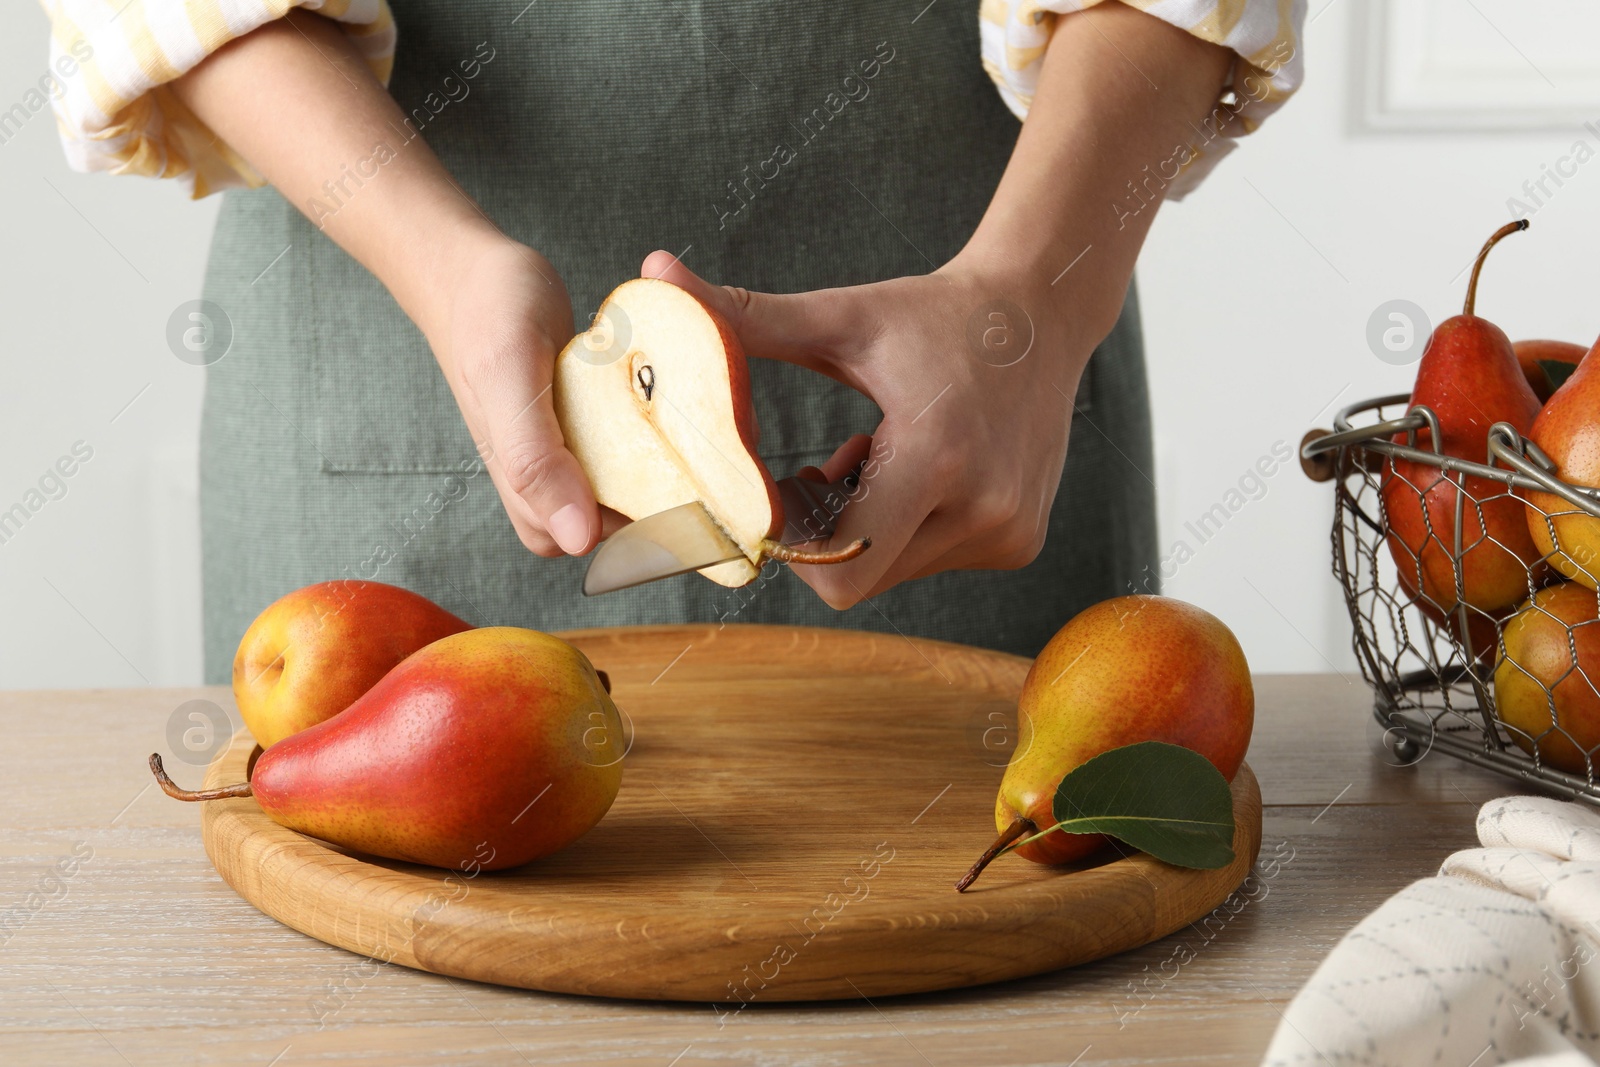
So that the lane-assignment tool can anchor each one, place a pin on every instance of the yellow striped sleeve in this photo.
(1264, 34)
(111, 60)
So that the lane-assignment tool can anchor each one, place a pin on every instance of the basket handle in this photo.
(1508, 446)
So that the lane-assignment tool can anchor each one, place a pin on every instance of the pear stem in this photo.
(789, 554)
(172, 789)
(1477, 265)
(1019, 826)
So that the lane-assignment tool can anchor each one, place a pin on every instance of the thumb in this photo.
(819, 330)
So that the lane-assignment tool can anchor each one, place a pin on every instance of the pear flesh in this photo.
(654, 401)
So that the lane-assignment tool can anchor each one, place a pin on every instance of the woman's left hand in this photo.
(975, 376)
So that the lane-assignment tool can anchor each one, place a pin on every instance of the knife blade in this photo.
(686, 538)
(675, 541)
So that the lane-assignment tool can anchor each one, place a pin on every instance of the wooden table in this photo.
(120, 944)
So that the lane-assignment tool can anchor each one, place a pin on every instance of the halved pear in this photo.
(654, 401)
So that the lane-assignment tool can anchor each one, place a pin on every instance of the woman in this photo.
(397, 297)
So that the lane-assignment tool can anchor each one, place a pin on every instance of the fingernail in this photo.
(570, 527)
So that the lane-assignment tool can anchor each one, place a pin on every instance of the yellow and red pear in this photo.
(486, 749)
(312, 652)
(1470, 378)
(1568, 430)
(1129, 669)
(1544, 684)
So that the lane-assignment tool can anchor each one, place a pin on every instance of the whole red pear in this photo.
(1470, 378)
(491, 747)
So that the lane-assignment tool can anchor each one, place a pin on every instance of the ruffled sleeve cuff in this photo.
(1264, 34)
(111, 60)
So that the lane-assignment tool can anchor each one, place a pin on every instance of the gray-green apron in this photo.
(597, 131)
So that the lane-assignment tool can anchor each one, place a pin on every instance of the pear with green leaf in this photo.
(1127, 670)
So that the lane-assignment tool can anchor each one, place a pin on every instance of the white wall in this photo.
(101, 587)
(1257, 291)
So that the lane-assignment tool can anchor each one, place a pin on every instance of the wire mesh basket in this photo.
(1436, 660)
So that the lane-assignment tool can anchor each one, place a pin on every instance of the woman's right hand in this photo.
(503, 319)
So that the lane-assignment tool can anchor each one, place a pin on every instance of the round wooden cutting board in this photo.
(795, 807)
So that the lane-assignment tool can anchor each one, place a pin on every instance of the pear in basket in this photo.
(1540, 689)
(1568, 429)
(1470, 378)
(1546, 364)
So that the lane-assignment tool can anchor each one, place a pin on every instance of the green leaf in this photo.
(1163, 799)
(1557, 371)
